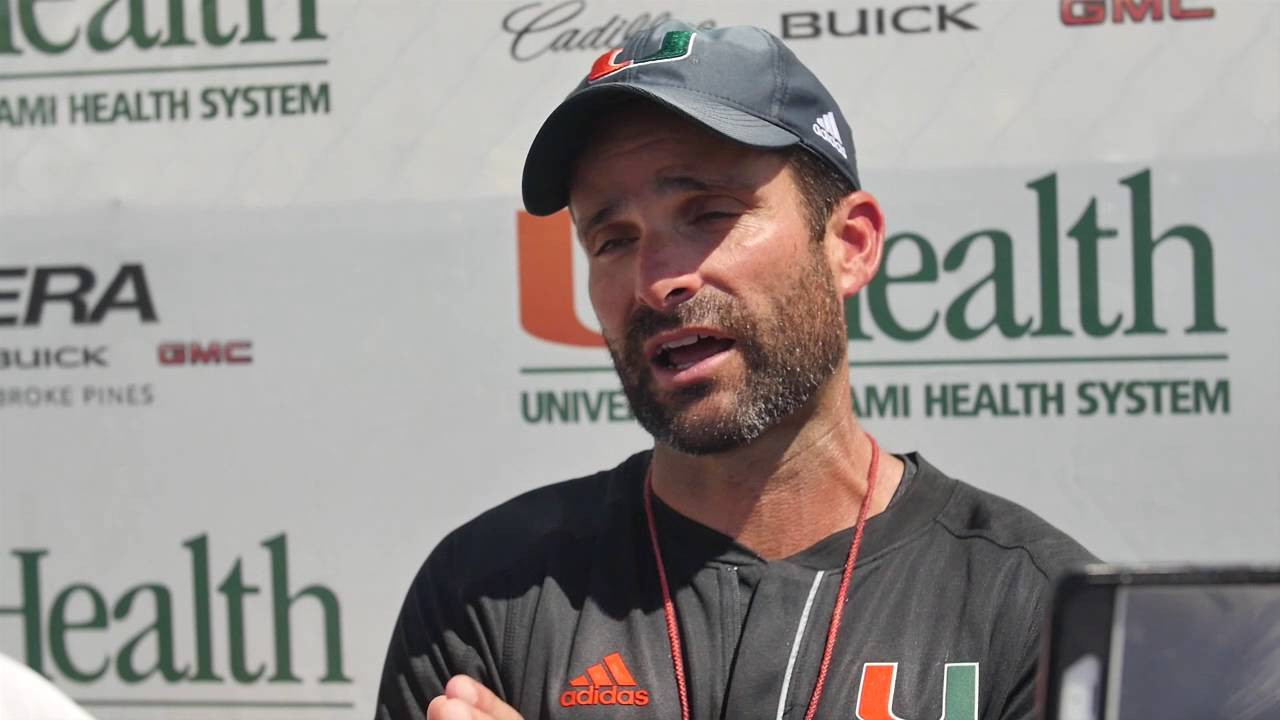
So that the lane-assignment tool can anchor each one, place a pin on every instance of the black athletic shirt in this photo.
(552, 600)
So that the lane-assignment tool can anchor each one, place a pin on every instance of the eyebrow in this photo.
(599, 217)
(665, 185)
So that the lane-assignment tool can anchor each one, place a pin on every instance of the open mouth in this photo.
(688, 350)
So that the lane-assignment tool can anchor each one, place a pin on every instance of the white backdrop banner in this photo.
(271, 322)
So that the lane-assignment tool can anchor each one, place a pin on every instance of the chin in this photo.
(706, 429)
(693, 442)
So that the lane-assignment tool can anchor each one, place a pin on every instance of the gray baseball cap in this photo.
(740, 82)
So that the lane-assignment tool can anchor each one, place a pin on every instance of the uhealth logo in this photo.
(112, 24)
(256, 618)
(606, 683)
(926, 301)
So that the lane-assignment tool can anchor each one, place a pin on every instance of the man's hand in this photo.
(466, 699)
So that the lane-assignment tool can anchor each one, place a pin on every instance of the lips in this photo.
(683, 349)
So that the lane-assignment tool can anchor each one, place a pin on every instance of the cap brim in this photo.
(545, 185)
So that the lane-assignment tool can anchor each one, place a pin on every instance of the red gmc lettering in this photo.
(1177, 12)
(1094, 12)
(232, 352)
(1137, 10)
(237, 352)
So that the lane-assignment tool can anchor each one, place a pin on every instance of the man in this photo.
(26, 695)
(765, 560)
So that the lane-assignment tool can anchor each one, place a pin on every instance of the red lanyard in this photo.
(837, 613)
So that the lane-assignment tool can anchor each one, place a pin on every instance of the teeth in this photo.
(683, 366)
(681, 343)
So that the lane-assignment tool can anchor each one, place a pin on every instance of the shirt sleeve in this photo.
(1020, 699)
(438, 634)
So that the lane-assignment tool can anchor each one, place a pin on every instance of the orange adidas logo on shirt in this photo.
(605, 683)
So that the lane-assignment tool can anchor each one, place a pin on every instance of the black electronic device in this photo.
(1148, 643)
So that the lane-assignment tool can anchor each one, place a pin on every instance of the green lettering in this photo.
(1087, 233)
(1144, 246)
(31, 29)
(177, 25)
(199, 548)
(878, 289)
(282, 601)
(936, 400)
(986, 401)
(257, 24)
(1216, 399)
(619, 410)
(886, 402)
(212, 32)
(97, 34)
(307, 25)
(6, 30)
(853, 318)
(530, 417)
(161, 628)
(1180, 402)
(1001, 280)
(234, 589)
(1088, 403)
(36, 110)
(59, 627)
(1046, 189)
(559, 405)
(30, 607)
(315, 100)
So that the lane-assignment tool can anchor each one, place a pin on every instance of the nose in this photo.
(665, 276)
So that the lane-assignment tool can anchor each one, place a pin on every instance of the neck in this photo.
(801, 481)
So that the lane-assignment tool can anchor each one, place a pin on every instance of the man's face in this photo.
(719, 309)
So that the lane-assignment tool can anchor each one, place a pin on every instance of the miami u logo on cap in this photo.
(676, 45)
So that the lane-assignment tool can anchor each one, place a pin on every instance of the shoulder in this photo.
(1004, 527)
(24, 693)
(463, 610)
(524, 530)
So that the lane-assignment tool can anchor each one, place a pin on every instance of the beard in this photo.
(788, 354)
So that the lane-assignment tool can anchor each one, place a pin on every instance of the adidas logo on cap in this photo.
(606, 683)
(826, 129)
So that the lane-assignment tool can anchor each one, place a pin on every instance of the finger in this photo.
(476, 694)
(443, 708)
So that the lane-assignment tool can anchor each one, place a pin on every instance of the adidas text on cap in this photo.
(740, 82)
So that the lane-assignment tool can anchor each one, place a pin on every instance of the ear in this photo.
(855, 237)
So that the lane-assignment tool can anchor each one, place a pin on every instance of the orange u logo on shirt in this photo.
(959, 692)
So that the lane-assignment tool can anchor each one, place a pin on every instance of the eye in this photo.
(714, 215)
(713, 210)
(611, 245)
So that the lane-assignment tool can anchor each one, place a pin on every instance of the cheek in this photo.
(610, 297)
(767, 255)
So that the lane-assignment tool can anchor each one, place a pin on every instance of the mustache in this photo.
(707, 309)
